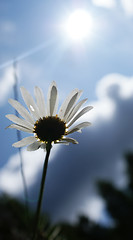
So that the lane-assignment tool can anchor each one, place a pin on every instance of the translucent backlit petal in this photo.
(75, 110)
(71, 140)
(52, 100)
(24, 142)
(78, 127)
(21, 110)
(71, 104)
(34, 146)
(30, 103)
(43, 146)
(62, 142)
(40, 102)
(81, 113)
(20, 128)
(63, 109)
(19, 121)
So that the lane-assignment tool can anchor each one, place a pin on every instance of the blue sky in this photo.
(101, 66)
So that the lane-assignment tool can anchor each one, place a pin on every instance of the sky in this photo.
(33, 33)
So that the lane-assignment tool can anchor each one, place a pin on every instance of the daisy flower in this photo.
(42, 120)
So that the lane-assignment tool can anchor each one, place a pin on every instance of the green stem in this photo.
(48, 148)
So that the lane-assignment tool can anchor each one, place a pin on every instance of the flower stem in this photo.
(48, 148)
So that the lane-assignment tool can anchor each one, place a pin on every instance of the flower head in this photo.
(43, 121)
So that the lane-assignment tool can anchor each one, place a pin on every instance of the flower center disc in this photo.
(49, 129)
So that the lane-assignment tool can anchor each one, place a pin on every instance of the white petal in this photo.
(19, 121)
(40, 102)
(34, 146)
(52, 101)
(43, 146)
(68, 103)
(71, 140)
(62, 142)
(20, 128)
(74, 130)
(79, 127)
(24, 142)
(75, 109)
(30, 103)
(71, 104)
(21, 110)
(81, 113)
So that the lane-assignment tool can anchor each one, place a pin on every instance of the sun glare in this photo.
(78, 26)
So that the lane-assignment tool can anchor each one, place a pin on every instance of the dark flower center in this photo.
(49, 129)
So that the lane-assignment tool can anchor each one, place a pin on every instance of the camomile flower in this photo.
(46, 126)
(42, 120)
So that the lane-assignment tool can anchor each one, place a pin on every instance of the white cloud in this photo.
(6, 84)
(10, 175)
(113, 85)
(10, 180)
(128, 6)
(105, 3)
(108, 90)
(93, 207)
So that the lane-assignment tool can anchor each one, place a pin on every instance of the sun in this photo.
(78, 25)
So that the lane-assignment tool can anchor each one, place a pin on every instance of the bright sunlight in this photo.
(78, 25)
